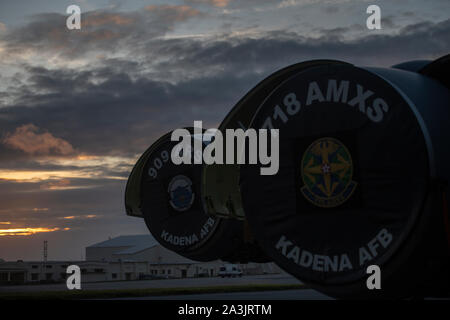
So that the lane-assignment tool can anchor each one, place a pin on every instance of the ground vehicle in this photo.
(230, 270)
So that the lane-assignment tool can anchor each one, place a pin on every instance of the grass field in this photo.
(121, 293)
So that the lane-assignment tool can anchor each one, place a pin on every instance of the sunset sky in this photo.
(78, 107)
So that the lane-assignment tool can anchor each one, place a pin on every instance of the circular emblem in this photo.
(180, 192)
(327, 171)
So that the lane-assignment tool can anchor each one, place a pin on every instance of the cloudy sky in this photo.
(77, 107)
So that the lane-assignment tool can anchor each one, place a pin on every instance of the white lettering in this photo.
(74, 20)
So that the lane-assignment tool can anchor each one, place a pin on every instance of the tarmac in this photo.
(272, 279)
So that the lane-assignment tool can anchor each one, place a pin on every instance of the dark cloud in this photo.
(274, 50)
(100, 30)
(330, 9)
(388, 22)
(232, 3)
(106, 200)
(118, 115)
(117, 108)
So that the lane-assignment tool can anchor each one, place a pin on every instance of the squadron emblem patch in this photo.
(181, 193)
(327, 171)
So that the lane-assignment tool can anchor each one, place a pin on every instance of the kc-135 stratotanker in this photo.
(363, 180)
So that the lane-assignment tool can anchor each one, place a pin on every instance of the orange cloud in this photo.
(220, 3)
(63, 184)
(28, 139)
(99, 19)
(81, 166)
(27, 231)
(56, 185)
(86, 216)
(38, 176)
(175, 12)
(215, 3)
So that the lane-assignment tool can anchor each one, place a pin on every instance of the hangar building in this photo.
(130, 257)
(128, 254)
